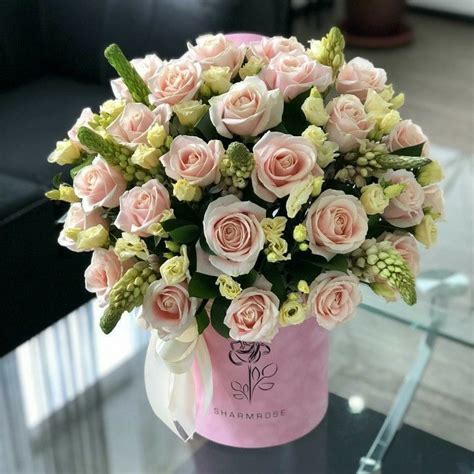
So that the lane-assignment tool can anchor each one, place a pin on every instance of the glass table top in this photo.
(73, 400)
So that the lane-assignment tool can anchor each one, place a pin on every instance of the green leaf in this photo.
(293, 117)
(202, 320)
(57, 180)
(73, 172)
(203, 286)
(339, 263)
(414, 150)
(206, 128)
(184, 212)
(192, 258)
(247, 280)
(273, 273)
(205, 245)
(172, 224)
(303, 270)
(185, 234)
(218, 311)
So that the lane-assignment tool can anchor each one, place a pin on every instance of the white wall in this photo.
(463, 7)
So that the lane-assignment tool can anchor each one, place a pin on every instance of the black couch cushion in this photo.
(36, 115)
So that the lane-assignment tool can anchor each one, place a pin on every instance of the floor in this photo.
(371, 355)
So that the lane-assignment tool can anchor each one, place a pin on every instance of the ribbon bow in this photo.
(169, 380)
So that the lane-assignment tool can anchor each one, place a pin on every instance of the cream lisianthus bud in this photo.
(251, 68)
(317, 186)
(315, 135)
(389, 121)
(172, 246)
(292, 312)
(92, 238)
(384, 290)
(176, 269)
(394, 190)
(112, 107)
(217, 79)
(430, 174)
(66, 153)
(146, 156)
(277, 247)
(299, 195)
(157, 135)
(72, 233)
(303, 287)
(63, 193)
(373, 199)
(184, 191)
(130, 245)
(426, 231)
(300, 233)
(156, 229)
(228, 287)
(273, 227)
(190, 112)
(314, 111)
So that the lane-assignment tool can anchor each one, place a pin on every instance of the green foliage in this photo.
(218, 311)
(203, 286)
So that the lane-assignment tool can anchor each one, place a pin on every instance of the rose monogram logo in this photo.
(250, 353)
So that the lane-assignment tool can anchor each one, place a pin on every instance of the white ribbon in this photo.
(169, 380)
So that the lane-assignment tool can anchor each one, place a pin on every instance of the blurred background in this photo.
(52, 65)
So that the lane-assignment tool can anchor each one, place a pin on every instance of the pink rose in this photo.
(295, 74)
(146, 67)
(406, 134)
(253, 316)
(358, 76)
(247, 109)
(142, 206)
(82, 121)
(76, 218)
(405, 244)
(333, 298)
(99, 185)
(336, 223)
(434, 200)
(348, 123)
(233, 233)
(194, 160)
(103, 272)
(216, 50)
(168, 308)
(267, 48)
(406, 210)
(176, 81)
(132, 125)
(281, 161)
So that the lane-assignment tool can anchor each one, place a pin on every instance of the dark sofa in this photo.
(51, 66)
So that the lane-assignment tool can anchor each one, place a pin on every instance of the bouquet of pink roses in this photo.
(249, 186)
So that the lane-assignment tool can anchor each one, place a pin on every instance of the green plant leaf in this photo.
(57, 179)
(203, 286)
(184, 212)
(73, 172)
(218, 311)
(185, 234)
(293, 117)
(338, 263)
(172, 224)
(191, 249)
(273, 273)
(202, 320)
(205, 245)
(414, 150)
(247, 280)
(206, 128)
